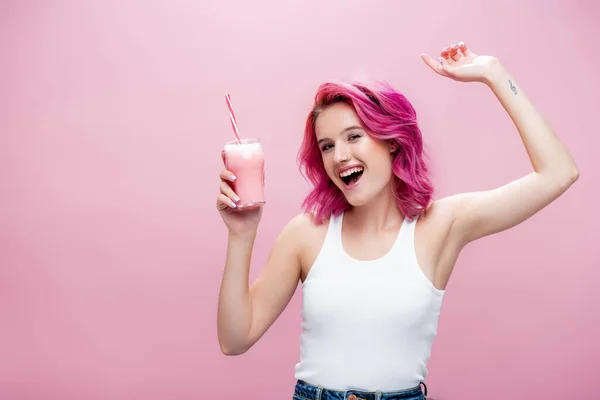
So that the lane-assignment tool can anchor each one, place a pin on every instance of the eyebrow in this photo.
(350, 128)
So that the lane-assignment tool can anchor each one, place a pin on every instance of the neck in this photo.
(381, 213)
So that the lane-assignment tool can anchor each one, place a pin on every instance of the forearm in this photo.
(546, 152)
(234, 315)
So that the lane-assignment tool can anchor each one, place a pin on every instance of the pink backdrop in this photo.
(112, 116)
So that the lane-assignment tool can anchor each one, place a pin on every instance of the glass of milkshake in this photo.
(245, 158)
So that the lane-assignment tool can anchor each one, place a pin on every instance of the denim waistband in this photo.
(305, 391)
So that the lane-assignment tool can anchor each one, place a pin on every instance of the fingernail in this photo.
(233, 205)
(440, 60)
(233, 177)
(236, 199)
(461, 44)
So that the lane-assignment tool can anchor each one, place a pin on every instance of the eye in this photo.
(326, 147)
(353, 137)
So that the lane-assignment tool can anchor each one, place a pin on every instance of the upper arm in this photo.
(479, 214)
(274, 287)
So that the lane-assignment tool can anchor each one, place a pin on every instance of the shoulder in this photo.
(303, 227)
(435, 244)
(305, 222)
(437, 222)
(440, 212)
(305, 236)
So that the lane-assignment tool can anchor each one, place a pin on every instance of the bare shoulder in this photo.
(444, 213)
(302, 226)
(435, 251)
(302, 221)
(439, 213)
(308, 236)
(286, 256)
(296, 227)
(302, 229)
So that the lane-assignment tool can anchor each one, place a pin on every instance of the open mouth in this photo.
(351, 176)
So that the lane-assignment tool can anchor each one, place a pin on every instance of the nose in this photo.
(340, 153)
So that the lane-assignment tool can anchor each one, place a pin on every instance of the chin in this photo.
(357, 201)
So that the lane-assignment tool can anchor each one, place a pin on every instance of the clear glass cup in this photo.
(245, 158)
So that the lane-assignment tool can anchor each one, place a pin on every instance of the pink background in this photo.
(112, 117)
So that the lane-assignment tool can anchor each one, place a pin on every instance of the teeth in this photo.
(351, 171)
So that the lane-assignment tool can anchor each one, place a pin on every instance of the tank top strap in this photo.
(334, 232)
(406, 237)
(332, 243)
(405, 240)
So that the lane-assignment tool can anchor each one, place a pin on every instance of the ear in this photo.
(393, 147)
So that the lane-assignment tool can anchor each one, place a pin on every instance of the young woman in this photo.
(373, 251)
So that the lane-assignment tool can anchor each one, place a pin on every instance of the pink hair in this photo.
(386, 115)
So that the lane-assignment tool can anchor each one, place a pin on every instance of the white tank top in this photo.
(367, 325)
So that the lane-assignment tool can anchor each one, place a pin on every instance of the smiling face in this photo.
(358, 164)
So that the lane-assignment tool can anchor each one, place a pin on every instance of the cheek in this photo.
(382, 164)
(378, 156)
(327, 164)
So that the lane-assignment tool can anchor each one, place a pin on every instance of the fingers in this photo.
(436, 66)
(224, 202)
(446, 55)
(451, 54)
(455, 52)
(228, 191)
(465, 50)
(226, 175)
(227, 198)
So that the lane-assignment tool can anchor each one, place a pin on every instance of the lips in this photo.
(351, 175)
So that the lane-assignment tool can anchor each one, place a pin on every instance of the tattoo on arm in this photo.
(512, 87)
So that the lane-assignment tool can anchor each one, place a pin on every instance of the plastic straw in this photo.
(232, 118)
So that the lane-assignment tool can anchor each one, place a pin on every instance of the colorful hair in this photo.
(385, 114)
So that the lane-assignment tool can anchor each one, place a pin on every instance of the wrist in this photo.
(244, 236)
(495, 75)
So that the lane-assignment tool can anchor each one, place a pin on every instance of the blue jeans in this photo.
(304, 391)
